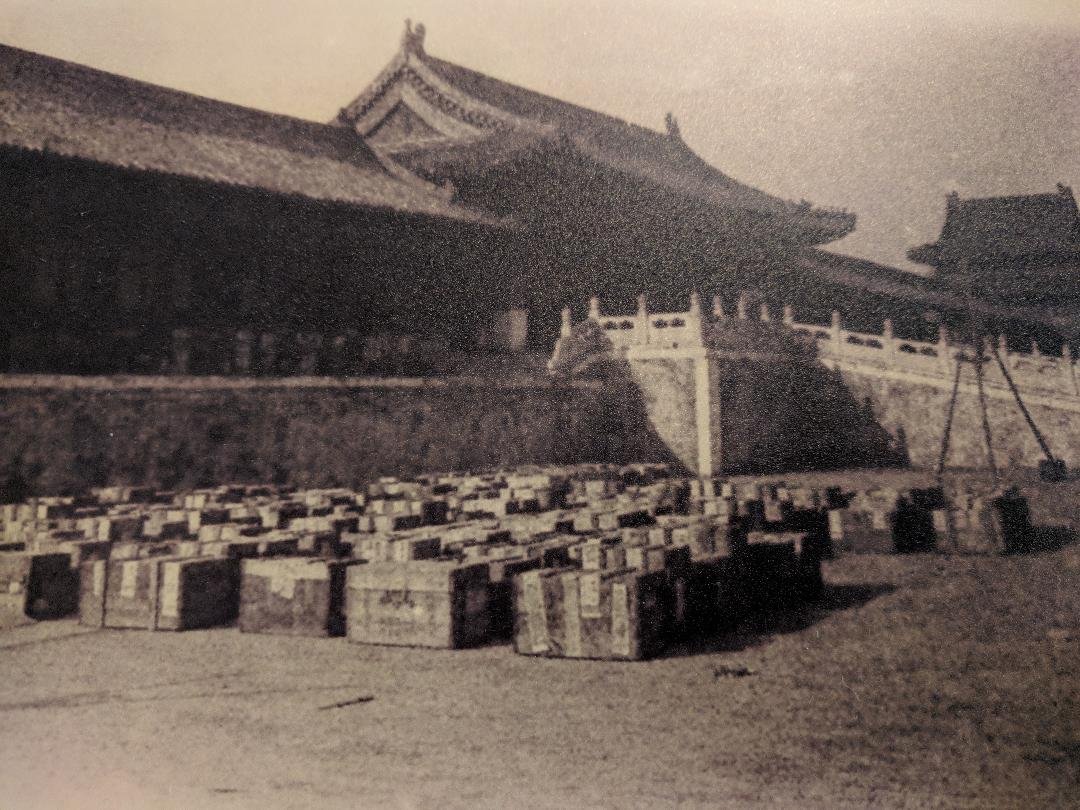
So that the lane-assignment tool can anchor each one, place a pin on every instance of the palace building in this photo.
(145, 228)
(1020, 248)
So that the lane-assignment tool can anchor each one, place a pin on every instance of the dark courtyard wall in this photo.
(63, 434)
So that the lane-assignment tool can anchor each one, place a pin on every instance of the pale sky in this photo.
(878, 106)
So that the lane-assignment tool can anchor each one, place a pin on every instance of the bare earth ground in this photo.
(919, 681)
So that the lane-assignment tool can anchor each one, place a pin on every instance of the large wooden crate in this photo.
(293, 596)
(197, 593)
(715, 595)
(36, 585)
(501, 574)
(615, 615)
(170, 593)
(424, 603)
(858, 531)
(769, 570)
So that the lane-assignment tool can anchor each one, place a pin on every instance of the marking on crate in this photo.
(99, 578)
(571, 614)
(620, 620)
(533, 596)
(282, 584)
(129, 576)
(590, 596)
(170, 591)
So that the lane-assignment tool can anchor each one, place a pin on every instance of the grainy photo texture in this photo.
(478, 404)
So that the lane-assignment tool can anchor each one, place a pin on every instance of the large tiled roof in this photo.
(50, 105)
(510, 119)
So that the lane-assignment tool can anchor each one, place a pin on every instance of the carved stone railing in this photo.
(1031, 371)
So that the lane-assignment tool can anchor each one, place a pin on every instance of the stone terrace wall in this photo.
(908, 383)
(63, 434)
(913, 410)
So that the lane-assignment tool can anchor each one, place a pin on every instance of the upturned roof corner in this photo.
(412, 40)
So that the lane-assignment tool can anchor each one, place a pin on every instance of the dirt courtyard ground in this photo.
(918, 681)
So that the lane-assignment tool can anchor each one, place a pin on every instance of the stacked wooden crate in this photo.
(160, 593)
(294, 596)
(424, 603)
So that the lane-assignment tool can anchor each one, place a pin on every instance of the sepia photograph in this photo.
(478, 404)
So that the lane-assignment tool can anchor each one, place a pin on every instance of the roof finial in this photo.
(412, 41)
(672, 125)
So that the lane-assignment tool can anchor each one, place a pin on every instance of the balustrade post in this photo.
(1067, 369)
(642, 319)
(695, 304)
(944, 354)
(694, 318)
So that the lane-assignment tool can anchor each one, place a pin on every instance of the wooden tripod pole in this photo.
(1023, 408)
(979, 358)
(977, 335)
(948, 425)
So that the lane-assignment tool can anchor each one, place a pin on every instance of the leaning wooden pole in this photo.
(979, 357)
(1023, 408)
(977, 335)
(948, 424)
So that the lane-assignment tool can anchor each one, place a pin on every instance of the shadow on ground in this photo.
(1045, 539)
(761, 625)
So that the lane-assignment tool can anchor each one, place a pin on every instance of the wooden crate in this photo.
(715, 597)
(92, 593)
(768, 569)
(82, 551)
(858, 531)
(613, 615)
(37, 585)
(170, 593)
(197, 593)
(14, 578)
(501, 574)
(293, 596)
(424, 603)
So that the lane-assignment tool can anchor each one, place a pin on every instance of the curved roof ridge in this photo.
(55, 106)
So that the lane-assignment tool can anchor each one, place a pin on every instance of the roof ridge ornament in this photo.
(672, 125)
(412, 40)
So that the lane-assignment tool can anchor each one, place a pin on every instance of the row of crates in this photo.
(620, 564)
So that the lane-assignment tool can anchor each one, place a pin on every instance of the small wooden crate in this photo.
(424, 603)
(37, 585)
(613, 615)
(857, 531)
